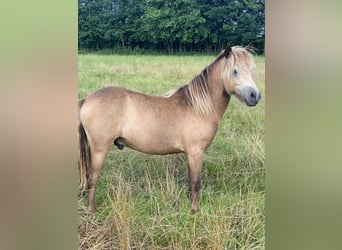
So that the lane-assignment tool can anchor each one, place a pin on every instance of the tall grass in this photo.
(142, 200)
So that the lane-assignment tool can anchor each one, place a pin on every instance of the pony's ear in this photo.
(227, 51)
(250, 48)
(249, 45)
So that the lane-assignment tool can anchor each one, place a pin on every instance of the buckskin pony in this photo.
(183, 121)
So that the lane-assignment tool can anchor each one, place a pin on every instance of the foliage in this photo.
(182, 25)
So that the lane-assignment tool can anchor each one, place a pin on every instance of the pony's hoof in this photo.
(91, 210)
(195, 209)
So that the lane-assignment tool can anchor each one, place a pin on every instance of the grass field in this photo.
(142, 200)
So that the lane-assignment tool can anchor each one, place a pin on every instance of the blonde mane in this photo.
(198, 95)
(242, 57)
(197, 91)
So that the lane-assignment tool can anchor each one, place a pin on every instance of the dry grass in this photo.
(142, 200)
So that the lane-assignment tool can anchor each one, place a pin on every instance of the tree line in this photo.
(170, 25)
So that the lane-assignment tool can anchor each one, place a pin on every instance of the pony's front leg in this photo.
(195, 163)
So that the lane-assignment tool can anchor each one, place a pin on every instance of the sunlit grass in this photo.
(142, 200)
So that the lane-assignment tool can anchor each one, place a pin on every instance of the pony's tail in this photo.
(84, 155)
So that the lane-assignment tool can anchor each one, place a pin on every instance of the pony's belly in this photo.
(150, 146)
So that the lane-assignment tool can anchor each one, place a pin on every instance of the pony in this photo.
(183, 121)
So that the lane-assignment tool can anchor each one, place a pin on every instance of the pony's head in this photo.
(237, 75)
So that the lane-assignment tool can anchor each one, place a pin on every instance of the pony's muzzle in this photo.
(251, 96)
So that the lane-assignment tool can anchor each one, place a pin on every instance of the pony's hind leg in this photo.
(97, 161)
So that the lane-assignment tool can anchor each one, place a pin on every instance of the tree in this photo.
(170, 24)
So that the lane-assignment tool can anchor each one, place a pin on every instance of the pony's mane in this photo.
(197, 91)
(242, 57)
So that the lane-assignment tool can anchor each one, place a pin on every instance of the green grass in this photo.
(142, 200)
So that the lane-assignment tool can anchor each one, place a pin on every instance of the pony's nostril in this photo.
(253, 95)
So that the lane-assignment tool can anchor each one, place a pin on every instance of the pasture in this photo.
(142, 200)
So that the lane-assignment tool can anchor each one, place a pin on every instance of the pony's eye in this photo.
(235, 72)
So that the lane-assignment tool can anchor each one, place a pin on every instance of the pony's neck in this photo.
(219, 96)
